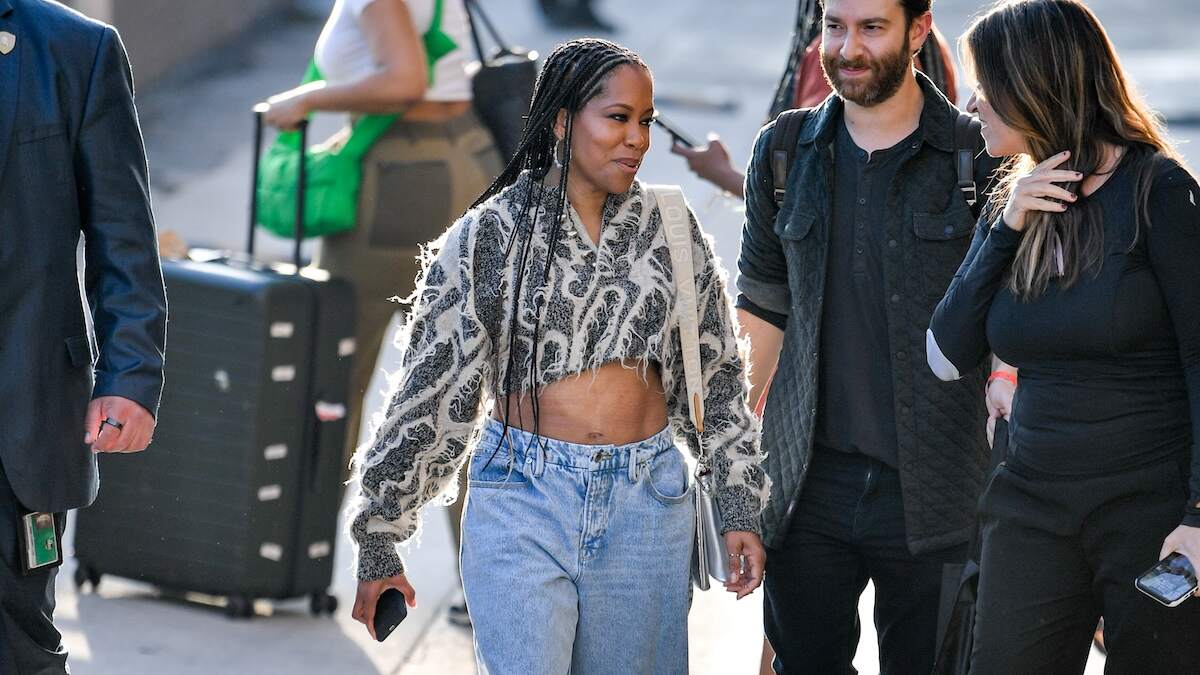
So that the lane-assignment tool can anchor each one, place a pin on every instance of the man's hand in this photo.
(116, 424)
(749, 546)
(368, 596)
(713, 165)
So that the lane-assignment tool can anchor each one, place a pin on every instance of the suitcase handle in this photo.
(301, 180)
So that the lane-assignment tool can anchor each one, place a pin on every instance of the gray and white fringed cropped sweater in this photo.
(603, 303)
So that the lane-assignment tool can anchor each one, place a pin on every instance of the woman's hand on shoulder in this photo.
(1036, 190)
(747, 548)
(368, 596)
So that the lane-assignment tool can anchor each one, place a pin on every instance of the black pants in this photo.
(29, 643)
(1059, 553)
(849, 528)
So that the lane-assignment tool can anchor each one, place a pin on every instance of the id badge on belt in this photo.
(41, 542)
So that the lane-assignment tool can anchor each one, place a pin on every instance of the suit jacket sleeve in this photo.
(123, 277)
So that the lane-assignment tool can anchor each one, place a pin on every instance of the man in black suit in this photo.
(80, 375)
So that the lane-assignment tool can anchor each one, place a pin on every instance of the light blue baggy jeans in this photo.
(576, 558)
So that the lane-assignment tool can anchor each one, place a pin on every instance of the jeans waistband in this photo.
(540, 450)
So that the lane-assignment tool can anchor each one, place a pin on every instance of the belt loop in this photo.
(634, 458)
(512, 462)
(539, 458)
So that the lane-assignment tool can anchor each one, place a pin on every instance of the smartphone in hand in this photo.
(677, 136)
(390, 611)
(1170, 582)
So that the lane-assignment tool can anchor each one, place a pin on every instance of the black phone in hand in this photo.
(677, 136)
(390, 611)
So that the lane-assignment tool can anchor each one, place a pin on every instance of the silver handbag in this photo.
(709, 558)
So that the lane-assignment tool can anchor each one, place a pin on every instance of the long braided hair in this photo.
(573, 74)
(808, 26)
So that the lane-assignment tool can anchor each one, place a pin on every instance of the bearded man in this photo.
(876, 465)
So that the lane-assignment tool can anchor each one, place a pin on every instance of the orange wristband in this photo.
(1002, 375)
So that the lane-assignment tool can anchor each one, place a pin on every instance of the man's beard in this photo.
(884, 80)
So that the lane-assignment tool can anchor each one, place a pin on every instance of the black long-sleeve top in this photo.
(1110, 367)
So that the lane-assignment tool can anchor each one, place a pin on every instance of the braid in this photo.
(808, 26)
(930, 59)
(573, 74)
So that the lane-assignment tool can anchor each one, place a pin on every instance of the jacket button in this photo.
(903, 410)
(893, 243)
(814, 355)
(901, 354)
(896, 298)
(813, 411)
(949, 229)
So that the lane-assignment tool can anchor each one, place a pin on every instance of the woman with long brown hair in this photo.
(1084, 275)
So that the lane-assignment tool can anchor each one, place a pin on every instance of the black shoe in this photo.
(458, 615)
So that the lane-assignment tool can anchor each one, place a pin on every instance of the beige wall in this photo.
(162, 33)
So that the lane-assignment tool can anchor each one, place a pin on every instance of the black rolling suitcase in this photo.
(238, 495)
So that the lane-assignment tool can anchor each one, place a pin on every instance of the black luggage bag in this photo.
(238, 495)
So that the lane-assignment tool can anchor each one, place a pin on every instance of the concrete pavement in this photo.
(198, 131)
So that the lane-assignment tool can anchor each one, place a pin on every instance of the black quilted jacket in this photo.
(942, 449)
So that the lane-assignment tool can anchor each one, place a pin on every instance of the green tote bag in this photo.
(334, 170)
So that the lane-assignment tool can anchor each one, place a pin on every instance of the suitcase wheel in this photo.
(239, 607)
(322, 603)
(85, 574)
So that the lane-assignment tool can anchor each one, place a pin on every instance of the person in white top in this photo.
(373, 59)
(406, 57)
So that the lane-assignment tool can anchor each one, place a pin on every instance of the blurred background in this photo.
(200, 66)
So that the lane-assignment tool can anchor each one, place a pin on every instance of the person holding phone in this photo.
(1082, 274)
(551, 304)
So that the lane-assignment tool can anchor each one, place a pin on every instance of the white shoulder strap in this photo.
(678, 230)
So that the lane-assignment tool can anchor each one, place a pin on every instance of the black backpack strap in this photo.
(783, 149)
(966, 148)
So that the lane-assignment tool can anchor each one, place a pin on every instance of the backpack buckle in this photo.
(970, 193)
(780, 193)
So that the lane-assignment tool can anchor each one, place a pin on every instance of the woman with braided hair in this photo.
(551, 304)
